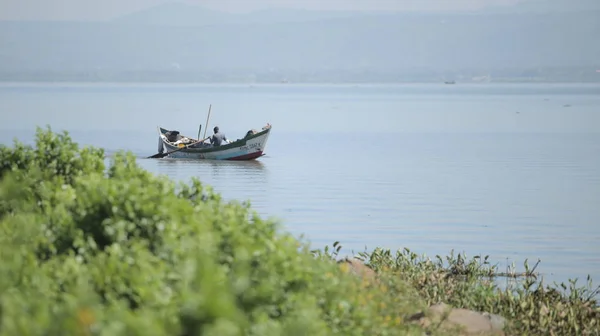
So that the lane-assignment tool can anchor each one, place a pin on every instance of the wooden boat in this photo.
(251, 147)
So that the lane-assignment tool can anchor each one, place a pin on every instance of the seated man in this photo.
(172, 136)
(218, 138)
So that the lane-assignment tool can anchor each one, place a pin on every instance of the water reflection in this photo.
(224, 175)
(216, 166)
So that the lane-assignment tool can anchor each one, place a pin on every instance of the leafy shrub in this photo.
(95, 250)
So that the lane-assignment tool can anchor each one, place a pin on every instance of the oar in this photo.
(162, 155)
(208, 117)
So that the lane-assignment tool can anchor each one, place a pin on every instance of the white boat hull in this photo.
(249, 148)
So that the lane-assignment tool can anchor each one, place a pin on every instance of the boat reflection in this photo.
(214, 164)
(186, 169)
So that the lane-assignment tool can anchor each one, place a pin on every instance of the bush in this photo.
(95, 250)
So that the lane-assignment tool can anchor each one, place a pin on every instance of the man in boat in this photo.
(218, 138)
(172, 136)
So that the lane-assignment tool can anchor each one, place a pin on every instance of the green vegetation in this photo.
(94, 250)
(531, 307)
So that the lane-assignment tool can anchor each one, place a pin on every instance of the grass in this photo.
(530, 306)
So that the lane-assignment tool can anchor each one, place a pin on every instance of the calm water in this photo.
(512, 171)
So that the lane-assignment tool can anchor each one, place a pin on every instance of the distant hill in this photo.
(549, 6)
(176, 14)
(183, 39)
(182, 14)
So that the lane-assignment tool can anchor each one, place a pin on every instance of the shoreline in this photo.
(291, 83)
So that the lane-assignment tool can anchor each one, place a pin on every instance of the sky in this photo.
(107, 9)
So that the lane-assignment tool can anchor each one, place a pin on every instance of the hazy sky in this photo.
(106, 9)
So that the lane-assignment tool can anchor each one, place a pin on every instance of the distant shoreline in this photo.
(194, 82)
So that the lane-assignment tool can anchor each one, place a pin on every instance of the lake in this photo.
(506, 170)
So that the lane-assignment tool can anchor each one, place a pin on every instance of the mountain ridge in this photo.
(367, 42)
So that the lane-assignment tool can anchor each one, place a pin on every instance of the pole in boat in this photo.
(199, 130)
(207, 118)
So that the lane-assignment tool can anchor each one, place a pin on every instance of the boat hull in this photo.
(249, 148)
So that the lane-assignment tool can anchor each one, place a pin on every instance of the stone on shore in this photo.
(469, 322)
(358, 268)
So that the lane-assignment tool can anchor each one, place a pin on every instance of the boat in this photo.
(174, 145)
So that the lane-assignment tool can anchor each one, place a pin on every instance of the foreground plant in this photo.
(94, 250)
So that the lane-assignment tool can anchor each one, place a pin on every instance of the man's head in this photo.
(216, 129)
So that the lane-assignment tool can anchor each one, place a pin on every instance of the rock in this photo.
(498, 322)
(470, 322)
(358, 268)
